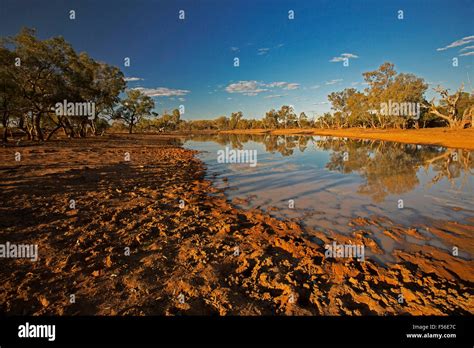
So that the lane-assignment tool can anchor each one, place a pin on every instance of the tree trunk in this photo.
(5, 126)
(37, 123)
(83, 129)
(58, 127)
(93, 127)
(130, 125)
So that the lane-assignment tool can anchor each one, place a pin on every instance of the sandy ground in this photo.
(460, 138)
(202, 257)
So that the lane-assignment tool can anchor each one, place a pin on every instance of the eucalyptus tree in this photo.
(339, 101)
(39, 73)
(11, 102)
(134, 107)
(270, 121)
(456, 109)
(235, 117)
(287, 116)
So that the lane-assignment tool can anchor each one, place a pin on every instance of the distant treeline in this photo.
(391, 100)
(46, 87)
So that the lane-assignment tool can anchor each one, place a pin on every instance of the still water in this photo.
(334, 180)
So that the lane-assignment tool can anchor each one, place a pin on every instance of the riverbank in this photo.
(149, 235)
(461, 138)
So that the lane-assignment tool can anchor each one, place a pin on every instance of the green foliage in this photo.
(134, 107)
(37, 74)
(363, 109)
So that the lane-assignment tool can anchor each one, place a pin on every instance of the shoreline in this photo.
(446, 137)
(461, 138)
(191, 250)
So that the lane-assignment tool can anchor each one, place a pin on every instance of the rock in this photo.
(108, 261)
(44, 301)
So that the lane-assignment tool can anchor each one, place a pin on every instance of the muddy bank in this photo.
(191, 251)
(460, 138)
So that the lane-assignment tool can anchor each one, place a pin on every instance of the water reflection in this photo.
(386, 167)
(338, 183)
(391, 168)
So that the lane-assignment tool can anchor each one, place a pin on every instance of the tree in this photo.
(385, 86)
(40, 74)
(175, 118)
(465, 102)
(359, 115)
(95, 82)
(11, 101)
(270, 121)
(234, 119)
(303, 121)
(449, 108)
(222, 123)
(339, 101)
(379, 80)
(107, 85)
(50, 71)
(135, 106)
(406, 88)
(287, 116)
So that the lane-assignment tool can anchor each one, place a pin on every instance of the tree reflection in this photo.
(387, 167)
(282, 144)
(391, 168)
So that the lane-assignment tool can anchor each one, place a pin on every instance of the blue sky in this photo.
(282, 61)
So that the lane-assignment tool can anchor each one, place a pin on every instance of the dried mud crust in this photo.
(220, 259)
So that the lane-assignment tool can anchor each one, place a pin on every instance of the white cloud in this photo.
(132, 79)
(182, 99)
(466, 48)
(457, 43)
(321, 103)
(292, 86)
(349, 55)
(342, 57)
(315, 86)
(250, 88)
(333, 82)
(276, 84)
(234, 49)
(468, 54)
(271, 96)
(284, 85)
(265, 50)
(162, 92)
